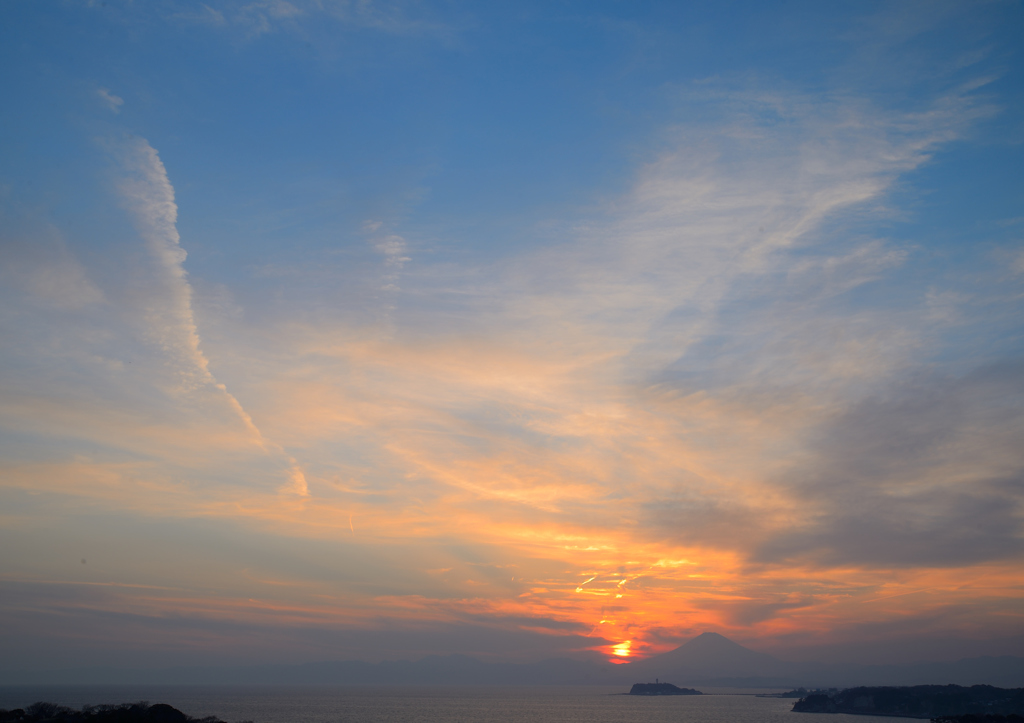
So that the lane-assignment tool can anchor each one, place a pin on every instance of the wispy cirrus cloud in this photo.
(112, 101)
(254, 19)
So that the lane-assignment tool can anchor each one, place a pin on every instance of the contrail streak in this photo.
(149, 195)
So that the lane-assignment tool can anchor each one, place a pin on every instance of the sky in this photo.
(359, 329)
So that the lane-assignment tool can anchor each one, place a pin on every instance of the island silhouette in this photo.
(659, 688)
(919, 701)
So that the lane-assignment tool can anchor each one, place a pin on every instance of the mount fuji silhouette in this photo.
(711, 657)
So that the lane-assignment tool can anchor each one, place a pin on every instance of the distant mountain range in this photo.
(709, 659)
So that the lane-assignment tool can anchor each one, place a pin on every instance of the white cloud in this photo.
(112, 101)
(256, 19)
(393, 248)
(206, 16)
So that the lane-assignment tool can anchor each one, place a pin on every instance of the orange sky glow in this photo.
(641, 345)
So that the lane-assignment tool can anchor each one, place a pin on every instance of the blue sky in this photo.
(422, 314)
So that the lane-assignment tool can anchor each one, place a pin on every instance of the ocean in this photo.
(434, 704)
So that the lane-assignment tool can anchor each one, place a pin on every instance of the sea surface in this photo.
(433, 704)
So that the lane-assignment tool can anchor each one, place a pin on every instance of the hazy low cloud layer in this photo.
(927, 472)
